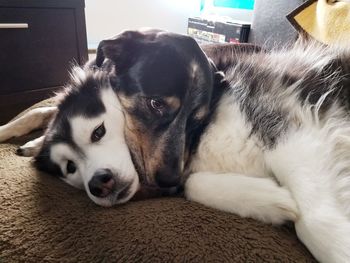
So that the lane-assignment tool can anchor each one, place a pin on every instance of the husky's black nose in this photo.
(102, 183)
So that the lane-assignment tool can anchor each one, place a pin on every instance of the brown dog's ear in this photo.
(120, 49)
(100, 56)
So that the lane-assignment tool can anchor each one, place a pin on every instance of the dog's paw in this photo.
(259, 198)
(283, 208)
(31, 148)
(27, 150)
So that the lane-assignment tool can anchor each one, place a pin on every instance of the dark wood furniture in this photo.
(39, 41)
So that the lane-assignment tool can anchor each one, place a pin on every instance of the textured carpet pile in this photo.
(44, 220)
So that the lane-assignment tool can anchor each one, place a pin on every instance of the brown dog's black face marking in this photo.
(164, 82)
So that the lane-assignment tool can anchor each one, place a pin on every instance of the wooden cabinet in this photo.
(39, 41)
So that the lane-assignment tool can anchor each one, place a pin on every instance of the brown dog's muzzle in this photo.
(158, 159)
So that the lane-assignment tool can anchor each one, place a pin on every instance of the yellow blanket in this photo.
(327, 21)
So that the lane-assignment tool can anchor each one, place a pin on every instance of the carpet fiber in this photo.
(44, 220)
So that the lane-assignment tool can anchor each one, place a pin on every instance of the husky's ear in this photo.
(121, 49)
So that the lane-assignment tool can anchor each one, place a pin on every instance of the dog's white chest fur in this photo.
(228, 145)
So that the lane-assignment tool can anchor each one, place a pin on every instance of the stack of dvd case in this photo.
(209, 31)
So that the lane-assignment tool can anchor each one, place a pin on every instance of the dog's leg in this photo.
(306, 166)
(31, 148)
(33, 119)
(259, 198)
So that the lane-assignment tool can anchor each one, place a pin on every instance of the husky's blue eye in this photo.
(98, 133)
(71, 168)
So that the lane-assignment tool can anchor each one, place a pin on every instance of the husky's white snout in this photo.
(107, 188)
(103, 184)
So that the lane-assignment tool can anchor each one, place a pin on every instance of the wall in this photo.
(106, 18)
(270, 26)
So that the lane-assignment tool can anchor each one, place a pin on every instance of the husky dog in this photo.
(84, 144)
(260, 134)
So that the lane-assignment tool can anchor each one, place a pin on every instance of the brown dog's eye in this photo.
(98, 133)
(157, 106)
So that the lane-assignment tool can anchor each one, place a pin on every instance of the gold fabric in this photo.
(327, 21)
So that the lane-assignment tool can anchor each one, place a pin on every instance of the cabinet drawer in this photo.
(38, 56)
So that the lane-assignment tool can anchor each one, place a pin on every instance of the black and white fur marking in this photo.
(103, 168)
(284, 117)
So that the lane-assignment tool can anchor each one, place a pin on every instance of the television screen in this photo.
(238, 4)
(235, 9)
(241, 4)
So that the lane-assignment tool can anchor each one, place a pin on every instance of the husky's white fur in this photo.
(310, 161)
